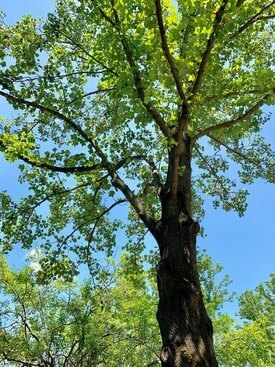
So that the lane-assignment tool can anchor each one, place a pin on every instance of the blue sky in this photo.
(244, 246)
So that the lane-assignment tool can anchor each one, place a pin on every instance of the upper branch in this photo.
(95, 219)
(53, 76)
(79, 46)
(167, 51)
(209, 47)
(233, 122)
(246, 158)
(252, 20)
(233, 94)
(212, 171)
(58, 115)
(137, 77)
(50, 167)
(67, 357)
(98, 91)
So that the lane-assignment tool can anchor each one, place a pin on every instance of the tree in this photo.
(252, 343)
(72, 324)
(69, 325)
(45, 326)
(117, 101)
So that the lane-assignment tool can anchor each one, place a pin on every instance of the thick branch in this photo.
(50, 167)
(209, 47)
(53, 168)
(233, 122)
(167, 51)
(23, 363)
(137, 205)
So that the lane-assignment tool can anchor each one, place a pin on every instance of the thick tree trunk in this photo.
(185, 327)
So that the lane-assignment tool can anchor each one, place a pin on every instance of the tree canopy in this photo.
(100, 87)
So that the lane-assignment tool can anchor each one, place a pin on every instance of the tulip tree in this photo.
(116, 102)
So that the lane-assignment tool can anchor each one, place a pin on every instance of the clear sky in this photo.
(244, 246)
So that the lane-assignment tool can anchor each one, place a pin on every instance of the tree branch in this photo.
(75, 43)
(95, 219)
(212, 171)
(47, 197)
(116, 180)
(238, 153)
(119, 165)
(24, 363)
(157, 181)
(137, 78)
(207, 52)
(45, 109)
(58, 115)
(232, 122)
(234, 94)
(102, 12)
(167, 51)
(30, 79)
(251, 21)
(137, 205)
(240, 2)
(92, 93)
(50, 167)
(31, 332)
(67, 357)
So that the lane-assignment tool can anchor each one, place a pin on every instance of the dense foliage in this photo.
(71, 324)
(95, 93)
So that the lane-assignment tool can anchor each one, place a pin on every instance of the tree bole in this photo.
(185, 327)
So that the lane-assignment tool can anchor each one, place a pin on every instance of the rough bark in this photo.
(185, 327)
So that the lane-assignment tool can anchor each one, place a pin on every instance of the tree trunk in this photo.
(185, 327)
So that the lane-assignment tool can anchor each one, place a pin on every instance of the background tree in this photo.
(82, 325)
(117, 101)
(71, 324)
(49, 325)
(252, 343)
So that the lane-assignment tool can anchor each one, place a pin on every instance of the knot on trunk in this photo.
(184, 218)
(167, 354)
